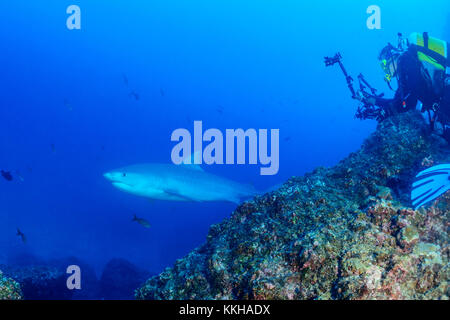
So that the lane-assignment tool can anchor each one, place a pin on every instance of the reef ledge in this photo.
(346, 232)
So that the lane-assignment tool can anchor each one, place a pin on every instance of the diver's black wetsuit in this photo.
(415, 84)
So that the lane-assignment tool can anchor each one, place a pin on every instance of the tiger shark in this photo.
(184, 182)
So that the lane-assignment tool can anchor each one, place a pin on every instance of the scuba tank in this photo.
(433, 54)
(430, 50)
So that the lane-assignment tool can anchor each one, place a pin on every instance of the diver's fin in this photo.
(430, 184)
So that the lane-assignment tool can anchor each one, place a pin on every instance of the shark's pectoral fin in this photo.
(174, 193)
(158, 194)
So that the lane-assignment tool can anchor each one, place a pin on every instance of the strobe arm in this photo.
(338, 59)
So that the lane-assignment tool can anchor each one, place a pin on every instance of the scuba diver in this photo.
(419, 65)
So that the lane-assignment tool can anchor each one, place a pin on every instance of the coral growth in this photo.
(347, 232)
(9, 289)
(40, 282)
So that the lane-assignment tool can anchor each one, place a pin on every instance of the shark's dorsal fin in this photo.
(191, 160)
(194, 167)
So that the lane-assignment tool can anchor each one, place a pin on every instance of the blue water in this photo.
(67, 117)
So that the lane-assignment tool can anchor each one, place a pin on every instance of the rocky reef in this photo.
(119, 280)
(32, 278)
(9, 289)
(39, 282)
(346, 232)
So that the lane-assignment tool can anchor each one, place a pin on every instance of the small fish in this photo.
(19, 176)
(162, 92)
(219, 109)
(141, 221)
(7, 175)
(21, 235)
(135, 95)
(68, 105)
(125, 79)
(53, 147)
(287, 139)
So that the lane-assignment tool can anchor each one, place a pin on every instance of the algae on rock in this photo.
(9, 289)
(346, 232)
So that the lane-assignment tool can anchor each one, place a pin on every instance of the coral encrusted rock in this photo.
(346, 232)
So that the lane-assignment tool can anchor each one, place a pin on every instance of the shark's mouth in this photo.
(121, 185)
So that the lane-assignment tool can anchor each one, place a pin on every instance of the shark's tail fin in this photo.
(430, 184)
(253, 192)
(273, 188)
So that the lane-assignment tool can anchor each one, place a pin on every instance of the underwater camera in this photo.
(332, 61)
